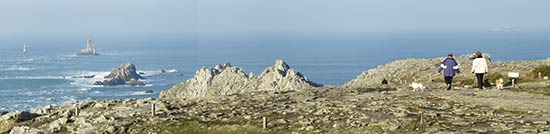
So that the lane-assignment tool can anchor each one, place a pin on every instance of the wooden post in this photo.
(265, 122)
(540, 75)
(77, 111)
(153, 109)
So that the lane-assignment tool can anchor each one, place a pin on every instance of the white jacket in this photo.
(479, 66)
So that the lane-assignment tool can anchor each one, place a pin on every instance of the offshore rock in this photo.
(226, 80)
(124, 74)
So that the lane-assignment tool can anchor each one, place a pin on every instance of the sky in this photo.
(228, 17)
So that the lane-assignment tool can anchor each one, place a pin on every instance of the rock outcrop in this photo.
(227, 79)
(401, 73)
(124, 74)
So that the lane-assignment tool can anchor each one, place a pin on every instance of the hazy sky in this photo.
(144, 17)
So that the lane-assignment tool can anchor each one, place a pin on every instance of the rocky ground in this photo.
(322, 110)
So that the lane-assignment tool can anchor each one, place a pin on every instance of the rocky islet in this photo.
(121, 75)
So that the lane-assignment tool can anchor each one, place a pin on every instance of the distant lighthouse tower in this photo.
(24, 48)
(90, 46)
(89, 50)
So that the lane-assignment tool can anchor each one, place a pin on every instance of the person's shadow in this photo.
(487, 83)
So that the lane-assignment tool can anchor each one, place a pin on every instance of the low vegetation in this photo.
(6, 126)
(194, 127)
(543, 91)
(544, 70)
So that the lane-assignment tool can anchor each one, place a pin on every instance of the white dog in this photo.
(417, 86)
(500, 84)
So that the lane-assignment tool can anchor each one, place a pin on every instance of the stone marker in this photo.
(153, 109)
(77, 111)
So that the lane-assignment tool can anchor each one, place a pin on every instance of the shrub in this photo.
(545, 70)
(492, 77)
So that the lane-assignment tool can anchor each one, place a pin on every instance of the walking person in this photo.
(451, 69)
(480, 68)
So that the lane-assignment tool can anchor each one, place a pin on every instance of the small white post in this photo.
(77, 111)
(513, 82)
(153, 109)
(265, 122)
(540, 75)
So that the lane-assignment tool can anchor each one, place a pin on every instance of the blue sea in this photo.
(46, 74)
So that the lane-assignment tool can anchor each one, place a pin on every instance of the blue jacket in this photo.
(450, 66)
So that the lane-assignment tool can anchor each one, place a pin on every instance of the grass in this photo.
(519, 112)
(6, 126)
(542, 91)
(195, 127)
(544, 70)
(492, 77)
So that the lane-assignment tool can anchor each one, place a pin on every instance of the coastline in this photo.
(351, 107)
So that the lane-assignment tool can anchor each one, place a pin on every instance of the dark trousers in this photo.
(449, 81)
(480, 80)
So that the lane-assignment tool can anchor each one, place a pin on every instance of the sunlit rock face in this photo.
(227, 79)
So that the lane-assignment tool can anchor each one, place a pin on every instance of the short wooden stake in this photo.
(513, 82)
(265, 122)
(153, 109)
(540, 75)
(77, 111)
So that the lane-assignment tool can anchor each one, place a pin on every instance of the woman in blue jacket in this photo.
(451, 69)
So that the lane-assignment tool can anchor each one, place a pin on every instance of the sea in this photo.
(51, 74)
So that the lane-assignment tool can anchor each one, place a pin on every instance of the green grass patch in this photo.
(195, 127)
(492, 77)
(544, 70)
(6, 126)
(543, 91)
(512, 111)
(467, 82)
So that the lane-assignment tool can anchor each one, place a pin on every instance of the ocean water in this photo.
(45, 75)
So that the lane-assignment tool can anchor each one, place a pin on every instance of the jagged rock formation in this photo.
(124, 74)
(402, 72)
(226, 79)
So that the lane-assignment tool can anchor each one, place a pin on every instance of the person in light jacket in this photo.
(451, 69)
(480, 68)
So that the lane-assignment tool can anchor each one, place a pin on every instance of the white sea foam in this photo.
(16, 68)
(79, 81)
(69, 99)
(84, 89)
(140, 93)
(33, 78)
(157, 72)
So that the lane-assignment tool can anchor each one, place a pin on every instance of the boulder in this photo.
(226, 80)
(58, 124)
(26, 130)
(19, 116)
(124, 74)
(42, 110)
